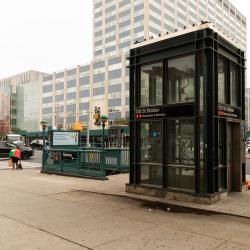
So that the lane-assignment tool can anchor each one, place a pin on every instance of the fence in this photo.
(85, 162)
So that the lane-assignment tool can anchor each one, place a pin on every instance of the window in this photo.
(180, 142)
(221, 144)
(181, 75)
(151, 84)
(221, 80)
(151, 153)
(180, 154)
(222, 155)
(234, 85)
(151, 142)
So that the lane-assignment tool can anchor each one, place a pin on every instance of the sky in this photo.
(50, 35)
(44, 35)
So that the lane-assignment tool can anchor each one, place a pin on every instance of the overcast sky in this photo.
(44, 35)
(50, 35)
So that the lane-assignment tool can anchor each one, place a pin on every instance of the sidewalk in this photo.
(50, 212)
(26, 164)
(236, 204)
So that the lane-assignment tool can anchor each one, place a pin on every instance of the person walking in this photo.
(15, 156)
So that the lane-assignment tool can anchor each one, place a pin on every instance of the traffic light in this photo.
(97, 115)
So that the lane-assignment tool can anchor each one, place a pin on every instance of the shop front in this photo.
(187, 116)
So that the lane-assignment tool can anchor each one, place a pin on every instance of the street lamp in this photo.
(44, 126)
(103, 119)
(59, 126)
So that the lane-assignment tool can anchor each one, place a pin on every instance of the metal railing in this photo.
(86, 162)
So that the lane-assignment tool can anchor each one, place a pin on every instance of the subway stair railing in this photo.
(85, 162)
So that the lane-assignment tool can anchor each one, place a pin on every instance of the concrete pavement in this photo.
(27, 164)
(39, 211)
(237, 204)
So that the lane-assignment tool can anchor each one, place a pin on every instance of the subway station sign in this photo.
(228, 111)
(150, 112)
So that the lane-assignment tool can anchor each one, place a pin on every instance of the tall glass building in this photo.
(117, 24)
(19, 94)
(72, 94)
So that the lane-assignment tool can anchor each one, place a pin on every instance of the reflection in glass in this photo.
(182, 178)
(180, 142)
(151, 175)
(222, 144)
(151, 142)
(181, 75)
(221, 80)
(151, 84)
(202, 170)
(234, 85)
(151, 153)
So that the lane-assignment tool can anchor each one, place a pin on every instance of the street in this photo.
(37, 158)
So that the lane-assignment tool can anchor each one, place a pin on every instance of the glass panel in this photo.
(151, 142)
(222, 178)
(202, 170)
(234, 85)
(182, 178)
(151, 175)
(180, 142)
(221, 80)
(151, 84)
(202, 76)
(173, 177)
(222, 144)
(181, 75)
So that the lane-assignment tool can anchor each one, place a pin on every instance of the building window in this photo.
(151, 142)
(181, 75)
(221, 80)
(221, 144)
(151, 84)
(234, 92)
(222, 182)
(151, 153)
(180, 154)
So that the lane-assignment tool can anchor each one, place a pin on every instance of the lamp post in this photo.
(44, 126)
(59, 126)
(103, 119)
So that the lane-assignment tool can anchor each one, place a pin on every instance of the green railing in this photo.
(85, 162)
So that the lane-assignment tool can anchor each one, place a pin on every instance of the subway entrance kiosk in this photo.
(187, 116)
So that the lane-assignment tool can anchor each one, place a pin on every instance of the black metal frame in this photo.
(206, 45)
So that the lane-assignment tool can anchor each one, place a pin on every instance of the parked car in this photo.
(38, 144)
(5, 147)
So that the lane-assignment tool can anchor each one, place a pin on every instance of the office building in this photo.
(20, 106)
(117, 24)
(71, 95)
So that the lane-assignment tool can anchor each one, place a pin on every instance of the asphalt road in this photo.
(37, 158)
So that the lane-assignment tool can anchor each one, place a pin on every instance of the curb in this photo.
(168, 205)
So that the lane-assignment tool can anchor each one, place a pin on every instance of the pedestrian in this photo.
(15, 156)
